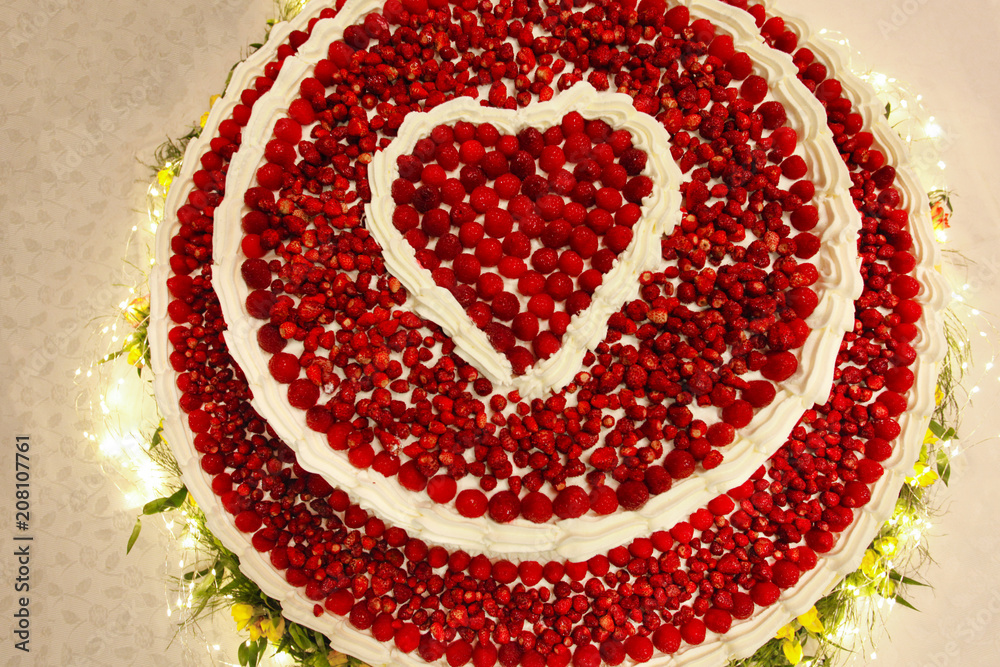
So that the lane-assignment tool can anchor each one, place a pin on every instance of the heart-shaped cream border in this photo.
(660, 212)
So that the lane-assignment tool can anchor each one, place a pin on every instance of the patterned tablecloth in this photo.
(89, 87)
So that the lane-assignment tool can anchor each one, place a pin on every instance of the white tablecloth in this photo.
(90, 88)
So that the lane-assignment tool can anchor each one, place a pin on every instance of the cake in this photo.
(526, 335)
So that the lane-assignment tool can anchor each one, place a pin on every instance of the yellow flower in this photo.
(137, 310)
(792, 650)
(923, 475)
(887, 545)
(938, 396)
(869, 564)
(269, 628)
(886, 588)
(211, 103)
(786, 632)
(254, 632)
(811, 622)
(929, 437)
(242, 613)
(336, 659)
(165, 177)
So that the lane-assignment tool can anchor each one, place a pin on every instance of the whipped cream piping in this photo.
(574, 539)
(660, 211)
(746, 637)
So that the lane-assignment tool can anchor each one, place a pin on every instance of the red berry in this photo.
(667, 639)
(632, 495)
(504, 507)
(471, 503)
(571, 502)
(284, 367)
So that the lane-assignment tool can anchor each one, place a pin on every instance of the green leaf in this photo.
(896, 576)
(902, 601)
(300, 638)
(888, 109)
(243, 653)
(171, 502)
(943, 466)
(253, 654)
(134, 536)
(940, 431)
(188, 576)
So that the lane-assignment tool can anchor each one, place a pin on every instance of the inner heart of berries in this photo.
(522, 231)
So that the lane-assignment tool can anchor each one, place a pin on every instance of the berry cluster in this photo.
(731, 298)
(653, 594)
(571, 196)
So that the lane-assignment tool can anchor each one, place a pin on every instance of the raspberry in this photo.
(489, 285)
(779, 367)
(614, 177)
(558, 286)
(512, 267)
(302, 393)
(638, 648)
(718, 620)
(765, 594)
(531, 283)
(441, 489)
(255, 273)
(679, 464)
(577, 147)
(609, 199)
(785, 574)
(470, 234)
(571, 502)
(618, 239)
(758, 393)
(536, 507)
(693, 631)
(633, 160)
(525, 326)
(466, 268)
(505, 306)
(489, 252)
(552, 159)
(472, 152)
(500, 336)
(754, 89)
(407, 637)
(637, 188)
(284, 367)
(471, 503)
(667, 638)
(773, 114)
(504, 506)
(632, 495)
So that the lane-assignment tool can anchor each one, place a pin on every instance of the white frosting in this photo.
(660, 212)
(745, 636)
(575, 539)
